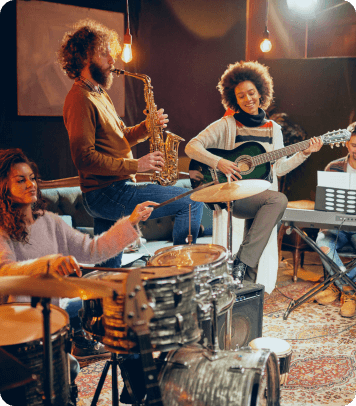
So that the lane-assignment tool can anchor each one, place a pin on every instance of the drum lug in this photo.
(178, 296)
(237, 368)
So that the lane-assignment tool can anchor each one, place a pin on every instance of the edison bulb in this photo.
(266, 45)
(126, 55)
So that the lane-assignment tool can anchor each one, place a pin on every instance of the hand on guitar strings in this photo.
(229, 168)
(315, 145)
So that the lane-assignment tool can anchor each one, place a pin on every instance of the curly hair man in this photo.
(101, 144)
(246, 90)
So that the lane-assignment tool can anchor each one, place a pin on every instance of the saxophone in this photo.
(169, 148)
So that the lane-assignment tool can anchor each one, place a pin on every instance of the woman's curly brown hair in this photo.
(79, 47)
(240, 72)
(11, 218)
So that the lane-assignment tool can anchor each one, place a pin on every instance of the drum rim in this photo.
(279, 354)
(38, 341)
(207, 266)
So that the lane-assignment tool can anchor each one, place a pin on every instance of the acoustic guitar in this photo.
(253, 160)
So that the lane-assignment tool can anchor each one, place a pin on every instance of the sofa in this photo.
(65, 198)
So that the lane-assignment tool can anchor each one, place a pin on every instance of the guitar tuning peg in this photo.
(338, 144)
(332, 146)
(343, 143)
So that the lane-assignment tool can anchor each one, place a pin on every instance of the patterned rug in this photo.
(323, 366)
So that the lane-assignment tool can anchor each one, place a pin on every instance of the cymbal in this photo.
(49, 285)
(227, 192)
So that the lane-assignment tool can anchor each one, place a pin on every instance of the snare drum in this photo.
(244, 377)
(281, 348)
(170, 292)
(91, 313)
(211, 273)
(22, 337)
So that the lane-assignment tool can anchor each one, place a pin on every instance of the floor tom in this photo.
(22, 327)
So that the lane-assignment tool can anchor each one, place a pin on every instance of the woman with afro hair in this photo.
(246, 90)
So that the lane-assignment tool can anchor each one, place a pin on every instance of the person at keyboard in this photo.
(331, 241)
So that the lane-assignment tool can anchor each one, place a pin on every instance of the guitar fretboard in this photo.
(279, 153)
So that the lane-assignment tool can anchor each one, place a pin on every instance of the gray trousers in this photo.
(262, 212)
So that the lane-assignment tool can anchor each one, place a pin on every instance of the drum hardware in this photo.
(214, 352)
(237, 368)
(189, 239)
(113, 363)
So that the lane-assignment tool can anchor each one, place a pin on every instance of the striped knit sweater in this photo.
(339, 165)
(227, 133)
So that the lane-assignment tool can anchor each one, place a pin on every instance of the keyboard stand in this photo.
(338, 273)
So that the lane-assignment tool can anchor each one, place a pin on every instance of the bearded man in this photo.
(101, 144)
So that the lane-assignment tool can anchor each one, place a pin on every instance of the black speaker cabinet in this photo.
(247, 318)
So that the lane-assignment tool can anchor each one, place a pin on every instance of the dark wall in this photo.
(320, 95)
(184, 69)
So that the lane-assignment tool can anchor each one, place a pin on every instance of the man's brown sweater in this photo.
(100, 143)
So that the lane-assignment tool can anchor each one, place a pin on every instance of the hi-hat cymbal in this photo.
(48, 285)
(227, 192)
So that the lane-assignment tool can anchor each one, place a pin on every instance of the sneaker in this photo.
(328, 295)
(84, 348)
(239, 270)
(348, 304)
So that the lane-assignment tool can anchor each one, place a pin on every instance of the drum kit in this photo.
(157, 308)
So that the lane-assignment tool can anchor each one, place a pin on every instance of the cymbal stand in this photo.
(214, 352)
(48, 394)
(338, 273)
(190, 237)
(114, 362)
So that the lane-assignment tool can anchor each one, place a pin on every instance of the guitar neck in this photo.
(279, 153)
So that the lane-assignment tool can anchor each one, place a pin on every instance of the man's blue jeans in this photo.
(335, 240)
(119, 199)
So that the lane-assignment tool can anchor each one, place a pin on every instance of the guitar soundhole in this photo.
(244, 163)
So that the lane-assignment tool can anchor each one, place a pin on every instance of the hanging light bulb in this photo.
(126, 55)
(266, 44)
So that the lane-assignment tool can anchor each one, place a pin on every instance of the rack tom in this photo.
(171, 294)
(211, 272)
(281, 348)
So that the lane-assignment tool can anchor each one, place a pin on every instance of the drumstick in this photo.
(100, 268)
(183, 195)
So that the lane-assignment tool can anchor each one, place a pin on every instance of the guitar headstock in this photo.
(336, 137)
(137, 313)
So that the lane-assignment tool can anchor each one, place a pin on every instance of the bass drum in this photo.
(244, 377)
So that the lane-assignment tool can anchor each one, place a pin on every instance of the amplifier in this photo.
(247, 317)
